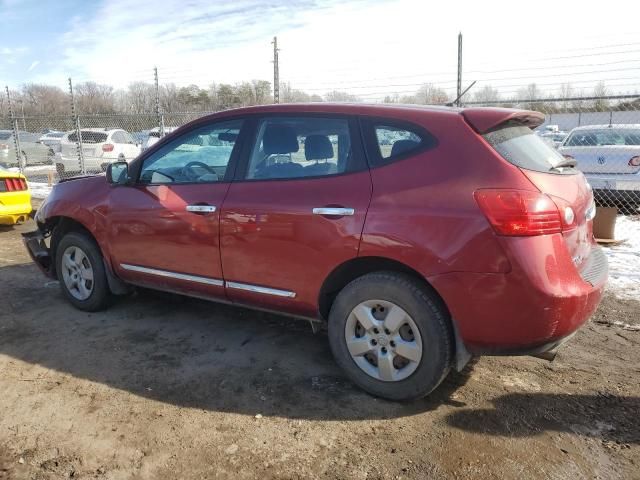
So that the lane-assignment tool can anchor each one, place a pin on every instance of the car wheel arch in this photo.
(353, 268)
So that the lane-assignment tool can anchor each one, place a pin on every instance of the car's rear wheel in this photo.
(81, 272)
(391, 336)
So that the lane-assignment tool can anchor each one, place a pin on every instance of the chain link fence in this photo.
(602, 135)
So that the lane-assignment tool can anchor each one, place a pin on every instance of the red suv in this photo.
(421, 235)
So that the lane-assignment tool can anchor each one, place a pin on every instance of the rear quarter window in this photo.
(390, 140)
(520, 146)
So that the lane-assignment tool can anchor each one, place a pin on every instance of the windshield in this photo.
(600, 137)
(520, 146)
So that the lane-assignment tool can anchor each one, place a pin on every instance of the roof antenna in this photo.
(451, 104)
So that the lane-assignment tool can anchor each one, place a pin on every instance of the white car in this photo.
(52, 140)
(609, 156)
(100, 147)
(154, 136)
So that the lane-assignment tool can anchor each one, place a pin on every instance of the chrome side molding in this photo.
(257, 289)
(179, 276)
(209, 281)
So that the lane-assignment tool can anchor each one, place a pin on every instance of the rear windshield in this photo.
(89, 137)
(600, 137)
(523, 148)
(5, 135)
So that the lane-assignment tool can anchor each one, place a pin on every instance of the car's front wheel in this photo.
(81, 272)
(391, 336)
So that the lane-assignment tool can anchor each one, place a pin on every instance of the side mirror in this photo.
(118, 173)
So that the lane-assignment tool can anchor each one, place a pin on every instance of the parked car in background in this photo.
(467, 236)
(154, 136)
(52, 140)
(609, 156)
(554, 139)
(100, 147)
(32, 152)
(15, 198)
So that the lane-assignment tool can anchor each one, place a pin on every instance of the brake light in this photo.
(4, 146)
(14, 184)
(519, 212)
(107, 147)
(635, 161)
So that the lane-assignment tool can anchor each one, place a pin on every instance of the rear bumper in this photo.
(532, 309)
(15, 207)
(39, 252)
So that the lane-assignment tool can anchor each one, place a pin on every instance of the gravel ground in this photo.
(161, 386)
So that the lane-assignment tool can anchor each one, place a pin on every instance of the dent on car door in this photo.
(295, 211)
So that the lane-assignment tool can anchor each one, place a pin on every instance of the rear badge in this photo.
(602, 160)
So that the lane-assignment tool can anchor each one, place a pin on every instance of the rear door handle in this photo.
(333, 211)
(201, 208)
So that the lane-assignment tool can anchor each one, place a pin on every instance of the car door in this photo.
(164, 229)
(295, 212)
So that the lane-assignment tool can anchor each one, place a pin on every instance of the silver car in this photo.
(32, 152)
(609, 156)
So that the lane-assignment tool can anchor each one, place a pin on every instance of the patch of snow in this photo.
(624, 259)
(39, 190)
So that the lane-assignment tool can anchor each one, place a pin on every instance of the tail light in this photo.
(15, 184)
(524, 213)
(107, 147)
(635, 161)
(4, 146)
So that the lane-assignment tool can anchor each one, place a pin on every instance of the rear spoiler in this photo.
(485, 119)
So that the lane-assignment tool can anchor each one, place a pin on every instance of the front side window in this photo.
(199, 156)
(296, 147)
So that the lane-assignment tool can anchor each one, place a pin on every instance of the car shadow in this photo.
(191, 353)
(604, 416)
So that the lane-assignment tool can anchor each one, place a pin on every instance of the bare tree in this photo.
(601, 104)
(428, 94)
(140, 97)
(565, 91)
(486, 94)
(338, 96)
(92, 97)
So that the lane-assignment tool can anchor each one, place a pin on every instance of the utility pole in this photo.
(16, 137)
(459, 87)
(276, 72)
(159, 116)
(76, 121)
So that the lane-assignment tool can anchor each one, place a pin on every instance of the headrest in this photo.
(318, 147)
(401, 146)
(279, 139)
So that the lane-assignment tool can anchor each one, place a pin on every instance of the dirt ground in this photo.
(165, 387)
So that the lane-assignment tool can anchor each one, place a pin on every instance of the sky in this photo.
(366, 47)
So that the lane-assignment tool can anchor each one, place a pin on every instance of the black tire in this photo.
(100, 296)
(426, 311)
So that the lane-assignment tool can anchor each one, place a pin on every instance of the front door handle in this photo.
(334, 211)
(201, 209)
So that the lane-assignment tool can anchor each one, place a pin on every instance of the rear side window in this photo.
(390, 140)
(523, 148)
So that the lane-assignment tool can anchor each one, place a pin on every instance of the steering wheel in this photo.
(190, 172)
